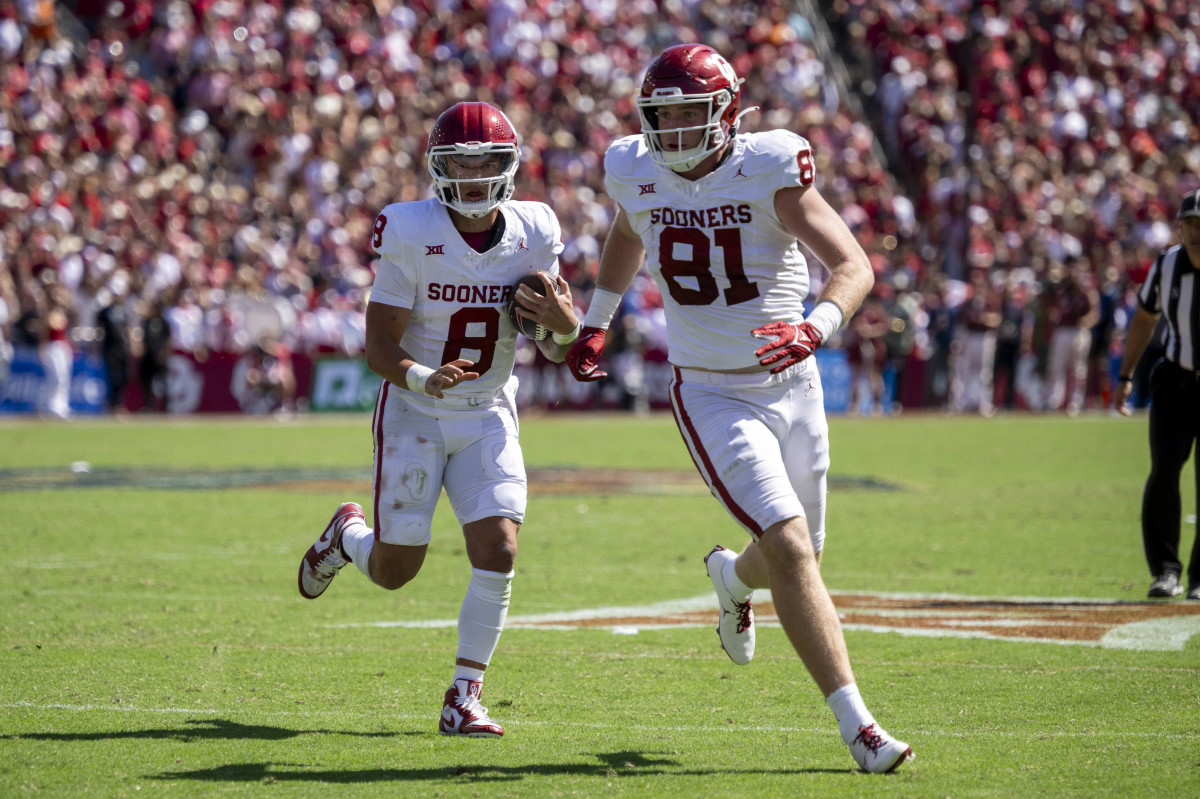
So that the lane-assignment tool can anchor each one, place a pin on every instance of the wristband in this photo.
(603, 308)
(827, 318)
(567, 338)
(417, 376)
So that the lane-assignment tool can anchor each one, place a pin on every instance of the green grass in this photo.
(152, 642)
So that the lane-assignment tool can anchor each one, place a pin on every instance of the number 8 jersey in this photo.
(724, 262)
(457, 295)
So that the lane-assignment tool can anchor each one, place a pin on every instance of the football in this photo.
(525, 326)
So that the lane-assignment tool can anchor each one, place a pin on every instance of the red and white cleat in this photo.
(325, 558)
(463, 715)
(877, 752)
(736, 625)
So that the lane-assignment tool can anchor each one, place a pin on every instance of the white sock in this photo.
(481, 619)
(741, 592)
(849, 710)
(357, 542)
(467, 673)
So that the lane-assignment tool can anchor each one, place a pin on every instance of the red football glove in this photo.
(585, 354)
(792, 344)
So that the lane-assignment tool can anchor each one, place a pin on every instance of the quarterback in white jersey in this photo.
(440, 335)
(717, 216)
(455, 294)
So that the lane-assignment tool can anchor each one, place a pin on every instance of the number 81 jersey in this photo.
(457, 295)
(723, 261)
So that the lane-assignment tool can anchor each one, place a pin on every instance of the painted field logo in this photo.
(1112, 625)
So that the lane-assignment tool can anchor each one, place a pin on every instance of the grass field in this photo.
(153, 642)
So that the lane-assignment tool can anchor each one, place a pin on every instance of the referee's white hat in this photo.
(1190, 205)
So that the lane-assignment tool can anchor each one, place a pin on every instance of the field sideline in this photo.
(989, 574)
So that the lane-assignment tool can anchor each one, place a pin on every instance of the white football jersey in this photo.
(458, 295)
(724, 262)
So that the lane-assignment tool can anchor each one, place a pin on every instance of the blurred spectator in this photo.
(899, 340)
(8, 312)
(940, 334)
(1072, 308)
(974, 348)
(1100, 357)
(269, 382)
(866, 352)
(156, 350)
(114, 322)
(1012, 338)
(56, 355)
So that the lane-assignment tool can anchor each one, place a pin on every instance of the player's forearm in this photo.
(848, 285)
(554, 352)
(391, 361)
(619, 263)
(621, 257)
(556, 346)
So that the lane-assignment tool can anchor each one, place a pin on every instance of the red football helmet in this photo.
(689, 73)
(467, 139)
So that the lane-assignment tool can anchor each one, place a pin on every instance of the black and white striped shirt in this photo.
(1172, 289)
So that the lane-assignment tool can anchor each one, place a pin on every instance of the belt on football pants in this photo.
(469, 401)
(763, 378)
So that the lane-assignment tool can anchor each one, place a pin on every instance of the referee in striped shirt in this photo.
(1172, 288)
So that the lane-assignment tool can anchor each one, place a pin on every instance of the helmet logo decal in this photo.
(725, 68)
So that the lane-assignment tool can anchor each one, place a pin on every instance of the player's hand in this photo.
(790, 344)
(553, 309)
(448, 376)
(585, 354)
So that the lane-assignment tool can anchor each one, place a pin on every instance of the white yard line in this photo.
(1168, 634)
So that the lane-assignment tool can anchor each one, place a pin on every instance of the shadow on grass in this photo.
(614, 764)
(199, 730)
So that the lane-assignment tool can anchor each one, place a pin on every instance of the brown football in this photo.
(525, 326)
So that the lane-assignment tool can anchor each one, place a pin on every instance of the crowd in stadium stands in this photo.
(209, 170)
(1043, 142)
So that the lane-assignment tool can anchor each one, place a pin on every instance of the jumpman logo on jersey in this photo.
(434, 249)
(522, 246)
(739, 173)
(810, 388)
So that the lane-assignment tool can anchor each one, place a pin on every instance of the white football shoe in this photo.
(877, 752)
(463, 715)
(324, 559)
(736, 625)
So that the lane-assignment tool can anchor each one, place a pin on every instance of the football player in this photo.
(445, 416)
(717, 216)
